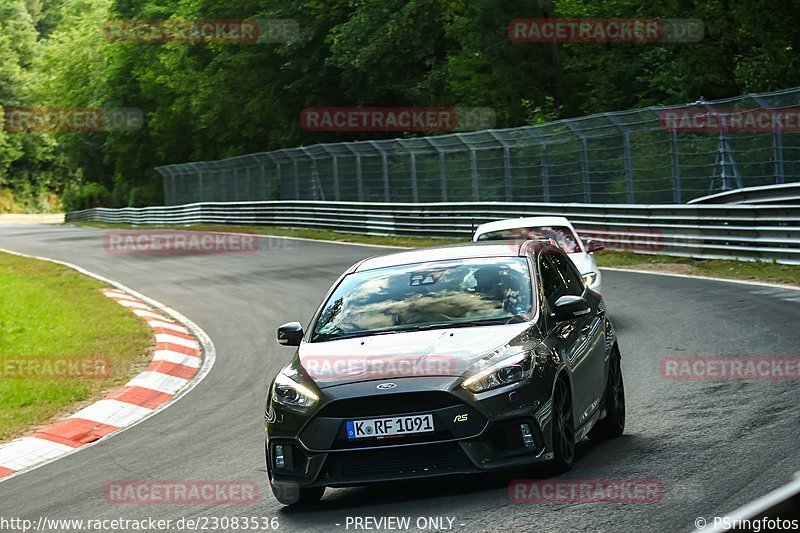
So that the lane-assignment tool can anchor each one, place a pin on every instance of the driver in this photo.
(501, 287)
(490, 283)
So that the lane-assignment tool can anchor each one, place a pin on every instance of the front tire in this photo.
(563, 428)
(613, 424)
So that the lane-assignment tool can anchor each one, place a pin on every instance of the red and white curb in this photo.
(183, 357)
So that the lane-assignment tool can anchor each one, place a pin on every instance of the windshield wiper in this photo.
(332, 336)
(516, 319)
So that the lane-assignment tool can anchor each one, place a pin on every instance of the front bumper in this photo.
(472, 433)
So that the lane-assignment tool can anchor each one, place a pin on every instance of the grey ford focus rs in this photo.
(450, 360)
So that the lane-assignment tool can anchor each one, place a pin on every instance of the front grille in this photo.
(388, 404)
(397, 462)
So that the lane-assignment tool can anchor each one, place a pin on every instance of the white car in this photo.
(557, 228)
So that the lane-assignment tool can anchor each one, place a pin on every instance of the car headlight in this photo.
(510, 370)
(589, 278)
(287, 391)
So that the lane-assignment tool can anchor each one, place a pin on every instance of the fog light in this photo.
(280, 461)
(527, 437)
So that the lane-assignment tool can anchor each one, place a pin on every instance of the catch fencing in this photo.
(630, 157)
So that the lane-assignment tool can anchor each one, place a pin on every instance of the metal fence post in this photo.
(442, 169)
(413, 163)
(473, 155)
(545, 174)
(262, 181)
(359, 179)
(530, 130)
(337, 193)
(315, 184)
(414, 190)
(387, 196)
(777, 141)
(443, 176)
(473, 167)
(335, 169)
(166, 185)
(506, 166)
(296, 179)
(626, 139)
(587, 187)
(174, 189)
(249, 183)
(507, 174)
(676, 169)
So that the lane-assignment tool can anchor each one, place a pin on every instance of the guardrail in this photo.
(745, 232)
(786, 193)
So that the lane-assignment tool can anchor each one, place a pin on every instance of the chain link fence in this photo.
(639, 156)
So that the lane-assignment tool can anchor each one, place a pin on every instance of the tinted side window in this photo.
(568, 272)
(552, 284)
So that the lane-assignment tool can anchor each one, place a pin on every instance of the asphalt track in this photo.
(714, 445)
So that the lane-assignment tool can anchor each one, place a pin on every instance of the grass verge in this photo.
(718, 268)
(49, 314)
(741, 270)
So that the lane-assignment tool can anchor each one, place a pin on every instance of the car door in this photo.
(573, 339)
(591, 343)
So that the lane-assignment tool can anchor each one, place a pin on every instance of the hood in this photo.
(584, 261)
(437, 352)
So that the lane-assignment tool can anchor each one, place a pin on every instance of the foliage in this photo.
(204, 101)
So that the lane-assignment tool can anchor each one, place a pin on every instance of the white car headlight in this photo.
(510, 370)
(589, 278)
(287, 391)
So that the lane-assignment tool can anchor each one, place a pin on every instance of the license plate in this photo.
(383, 427)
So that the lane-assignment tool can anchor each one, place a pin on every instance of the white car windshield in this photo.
(562, 235)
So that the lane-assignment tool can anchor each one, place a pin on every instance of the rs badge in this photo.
(461, 418)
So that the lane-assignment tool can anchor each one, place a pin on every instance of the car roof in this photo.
(522, 222)
(468, 250)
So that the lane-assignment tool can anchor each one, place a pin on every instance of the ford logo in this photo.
(386, 386)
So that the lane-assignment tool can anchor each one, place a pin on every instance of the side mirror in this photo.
(594, 246)
(290, 334)
(568, 307)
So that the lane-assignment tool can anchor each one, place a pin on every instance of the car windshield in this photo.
(438, 294)
(563, 235)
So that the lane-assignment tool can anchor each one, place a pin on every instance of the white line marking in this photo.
(150, 314)
(172, 339)
(177, 358)
(158, 381)
(112, 413)
(167, 325)
(23, 453)
(132, 303)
